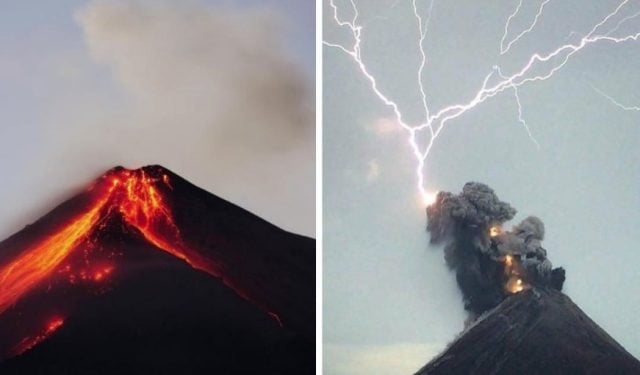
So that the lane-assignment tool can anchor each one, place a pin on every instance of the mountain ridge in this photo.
(536, 331)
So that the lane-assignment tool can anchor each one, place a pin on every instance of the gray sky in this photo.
(221, 92)
(390, 304)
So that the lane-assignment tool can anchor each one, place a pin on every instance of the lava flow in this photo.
(137, 198)
(34, 264)
(29, 342)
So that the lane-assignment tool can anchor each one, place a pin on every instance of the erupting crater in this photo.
(519, 320)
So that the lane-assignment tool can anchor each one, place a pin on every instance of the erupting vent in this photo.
(491, 264)
(519, 321)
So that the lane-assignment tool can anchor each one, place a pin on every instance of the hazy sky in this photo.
(390, 304)
(221, 92)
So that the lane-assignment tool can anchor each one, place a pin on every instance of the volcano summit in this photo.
(146, 273)
(519, 320)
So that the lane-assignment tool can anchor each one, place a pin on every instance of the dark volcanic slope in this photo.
(158, 316)
(275, 267)
(164, 278)
(534, 332)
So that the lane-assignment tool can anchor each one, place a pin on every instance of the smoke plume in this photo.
(490, 263)
(210, 92)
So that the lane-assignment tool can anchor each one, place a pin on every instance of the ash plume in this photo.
(213, 91)
(490, 263)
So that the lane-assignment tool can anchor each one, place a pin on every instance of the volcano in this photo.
(519, 321)
(536, 331)
(143, 272)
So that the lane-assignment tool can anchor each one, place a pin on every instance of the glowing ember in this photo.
(102, 274)
(514, 283)
(494, 231)
(508, 260)
(54, 325)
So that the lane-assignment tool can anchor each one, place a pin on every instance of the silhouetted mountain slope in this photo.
(537, 331)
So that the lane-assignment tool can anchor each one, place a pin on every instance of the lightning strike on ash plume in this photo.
(538, 66)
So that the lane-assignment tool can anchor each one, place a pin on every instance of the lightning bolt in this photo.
(519, 104)
(613, 101)
(539, 66)
(504, 49)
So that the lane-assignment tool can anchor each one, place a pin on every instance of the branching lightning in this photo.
(539, 66)
(504, 49)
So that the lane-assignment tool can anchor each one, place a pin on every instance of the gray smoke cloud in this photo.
(490, 263)
(224, 70)
(210, 92)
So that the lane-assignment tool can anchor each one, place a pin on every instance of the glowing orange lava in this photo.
(508, 260)
(133, 194)
(143, 207)
(23, 273)
(101, 274)
(136, 196)
(514, 283)
(29, 342)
